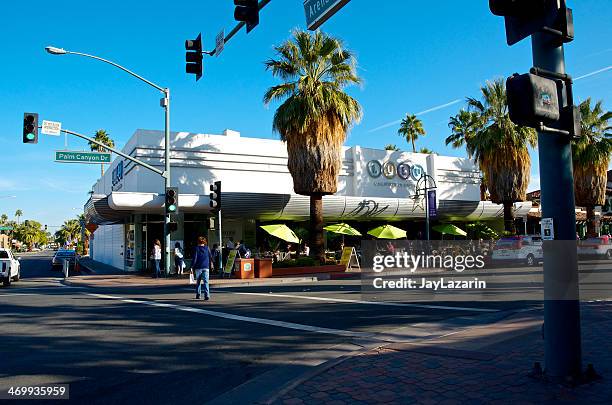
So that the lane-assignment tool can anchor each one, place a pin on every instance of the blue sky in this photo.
(413, 57)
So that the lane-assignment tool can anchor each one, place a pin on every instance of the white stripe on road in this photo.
(16, 295)
(347, 301)
(261, 321)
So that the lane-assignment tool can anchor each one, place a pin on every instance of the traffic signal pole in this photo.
(562, 338)
(166, 104)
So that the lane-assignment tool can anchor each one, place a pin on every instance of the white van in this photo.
(524, 249)
(9, 267)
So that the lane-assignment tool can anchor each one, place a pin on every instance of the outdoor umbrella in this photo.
(343, 229)
(387, 232)
(449, 229)
(281, 231)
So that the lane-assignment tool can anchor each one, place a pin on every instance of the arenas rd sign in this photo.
(319, 11)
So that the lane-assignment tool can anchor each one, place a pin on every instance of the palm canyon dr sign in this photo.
(319, 11)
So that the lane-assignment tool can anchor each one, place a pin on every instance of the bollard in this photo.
(66, 268)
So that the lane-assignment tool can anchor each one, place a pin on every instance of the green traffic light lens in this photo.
(30, 137)
(172, 208)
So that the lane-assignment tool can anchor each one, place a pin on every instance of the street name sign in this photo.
(51, 128)
(67, 156)
(219, 42)
(319, 11)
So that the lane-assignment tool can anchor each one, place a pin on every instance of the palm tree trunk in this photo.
(509, 217)
(102, 169)
(413, 146)
(592, 222)
(316, 227)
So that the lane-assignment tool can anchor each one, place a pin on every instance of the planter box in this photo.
(299, 271)
(263, 268)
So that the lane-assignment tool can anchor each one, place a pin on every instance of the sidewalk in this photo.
(482, 365)
(96, 274)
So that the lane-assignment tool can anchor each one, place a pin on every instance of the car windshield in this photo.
(4, 254)
(594, 241)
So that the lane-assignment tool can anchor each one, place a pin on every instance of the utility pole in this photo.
(561, 285)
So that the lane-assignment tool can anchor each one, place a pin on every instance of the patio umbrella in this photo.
(387, 232)
(343, 229)
(449, 229)
(281, 231)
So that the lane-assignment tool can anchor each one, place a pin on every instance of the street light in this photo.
(165, 103)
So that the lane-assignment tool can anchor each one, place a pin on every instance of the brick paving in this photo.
(412, 376)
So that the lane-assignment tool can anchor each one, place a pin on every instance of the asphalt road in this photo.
(160, 346)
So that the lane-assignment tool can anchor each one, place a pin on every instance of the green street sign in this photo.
(67, 156)
(319, 11)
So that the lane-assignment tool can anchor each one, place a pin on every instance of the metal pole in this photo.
(561, 291)
(220, 246)
(426, 209)
(166, 102)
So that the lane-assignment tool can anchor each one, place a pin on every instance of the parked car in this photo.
(600, 247)
(10, 268)
(57, 262)
(524, 249)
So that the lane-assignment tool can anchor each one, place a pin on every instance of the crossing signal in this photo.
(172, 227)
(172, 205)
(193, 57)
(526, 17)
(215, 196)
(543, 100)
(247, 11)
(30, 128)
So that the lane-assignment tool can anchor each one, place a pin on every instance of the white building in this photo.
(374, 186)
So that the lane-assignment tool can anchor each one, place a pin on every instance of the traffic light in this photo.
(215, 196)
(172, 204)
(45, 228)
(247, 11)
(193, 57)
(30, 128)
(526, 17)
(532, 100)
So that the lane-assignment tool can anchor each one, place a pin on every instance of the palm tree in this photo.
(392, 148)
(591, 158)
(427, 151)
(315, 116)
(18, 214)
(3, 219)
(103, 137)
(498, 147)
(70, 230)
(464, 127)
(411, 128)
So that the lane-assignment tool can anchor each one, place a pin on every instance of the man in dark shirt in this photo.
(201, 267)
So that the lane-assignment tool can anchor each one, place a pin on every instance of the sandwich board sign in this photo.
(349, 258)
(229, 265)
(319, 11)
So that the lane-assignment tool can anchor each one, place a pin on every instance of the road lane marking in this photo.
(348, 301)
(16, 295)
(261, 321)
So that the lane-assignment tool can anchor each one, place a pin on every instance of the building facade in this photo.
(374, 186)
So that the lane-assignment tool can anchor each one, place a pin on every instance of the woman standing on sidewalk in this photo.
(201, 267)
(179, 261)
(156, 256)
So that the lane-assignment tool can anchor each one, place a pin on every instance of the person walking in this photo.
(156, 256)
(201, 267)
(179, 261)
(216, 259)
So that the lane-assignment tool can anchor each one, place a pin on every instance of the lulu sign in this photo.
(390, 170)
